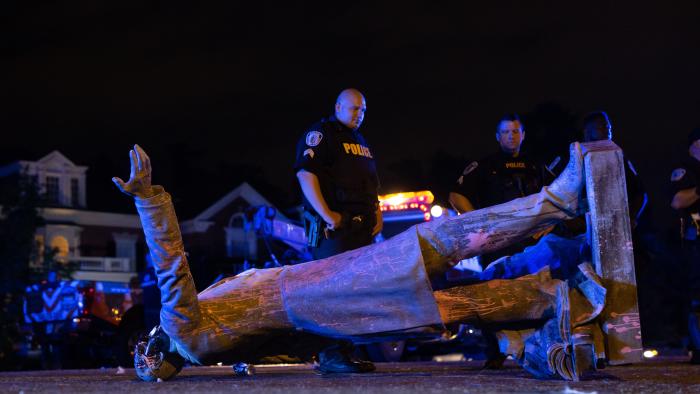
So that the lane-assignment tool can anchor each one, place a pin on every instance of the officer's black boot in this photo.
(494, 357)
(694, 331)
(695, 358)
(336, 359)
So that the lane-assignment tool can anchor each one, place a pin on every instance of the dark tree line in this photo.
(19, 220)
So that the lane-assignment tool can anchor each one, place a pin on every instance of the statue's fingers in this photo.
(119, 183)
(145, 160)
(148, 165)
(134, 164)
(139, 159)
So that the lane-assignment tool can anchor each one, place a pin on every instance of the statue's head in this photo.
(153, 358)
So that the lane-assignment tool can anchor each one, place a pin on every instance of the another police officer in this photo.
(597, 127)
(338, 177)
(503, 176)
(685, 183)
(499, 177)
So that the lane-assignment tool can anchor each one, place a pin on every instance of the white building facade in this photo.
(104, 244)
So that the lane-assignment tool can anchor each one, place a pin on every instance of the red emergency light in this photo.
(407, 200)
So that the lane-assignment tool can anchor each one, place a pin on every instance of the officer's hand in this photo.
(334, 220)
(139, 183)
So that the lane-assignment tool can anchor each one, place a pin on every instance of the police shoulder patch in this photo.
(313, 138)
(677, 174)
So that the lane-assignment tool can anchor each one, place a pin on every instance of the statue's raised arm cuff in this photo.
(160, 197)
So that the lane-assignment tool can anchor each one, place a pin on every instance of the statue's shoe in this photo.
(565, 191)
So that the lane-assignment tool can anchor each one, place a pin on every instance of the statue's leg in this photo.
(563, 347)
(531, 297)
(528, 301)
(489, 229)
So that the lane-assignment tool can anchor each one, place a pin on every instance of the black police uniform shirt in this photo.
(635, 190)
(498, 178)
(686, 176)
(344, 164)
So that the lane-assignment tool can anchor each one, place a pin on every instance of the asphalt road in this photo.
(660, 375)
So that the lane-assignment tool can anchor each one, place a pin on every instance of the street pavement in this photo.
(659, 375)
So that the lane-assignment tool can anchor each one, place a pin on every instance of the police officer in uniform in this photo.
(338, 177)
(597, 127)
(499, 177)
(685, 185)
(502, 176)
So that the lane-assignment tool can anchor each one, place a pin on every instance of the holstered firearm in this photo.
(313, 228)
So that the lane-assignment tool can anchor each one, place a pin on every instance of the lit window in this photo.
(61, 245)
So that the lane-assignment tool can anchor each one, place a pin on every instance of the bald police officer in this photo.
(338, 177)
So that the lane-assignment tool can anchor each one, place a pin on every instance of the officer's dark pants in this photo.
(691, 251)
(341, 240)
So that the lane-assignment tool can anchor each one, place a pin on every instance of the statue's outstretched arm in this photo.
(180, 313)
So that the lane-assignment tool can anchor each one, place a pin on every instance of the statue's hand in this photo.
(139, 183)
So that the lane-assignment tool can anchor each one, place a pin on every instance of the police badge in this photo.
(313, 138)
(677, 174)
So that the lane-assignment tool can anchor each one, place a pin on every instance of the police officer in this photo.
(499, 177)
(685, 185)
(597, 127)
(338, 177)
(502, 176)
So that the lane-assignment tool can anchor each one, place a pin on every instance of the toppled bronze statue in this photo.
(381, 291)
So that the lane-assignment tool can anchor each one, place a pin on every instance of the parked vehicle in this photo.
(76, 323)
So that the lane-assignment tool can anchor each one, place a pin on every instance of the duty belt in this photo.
(355, 222)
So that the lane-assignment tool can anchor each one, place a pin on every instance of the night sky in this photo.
(90, 78)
